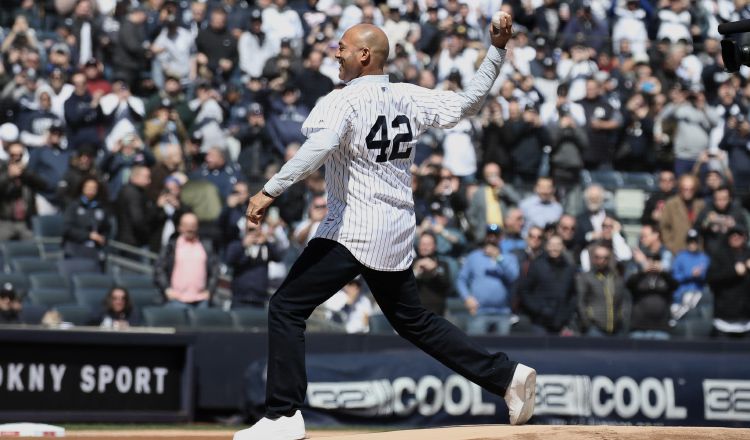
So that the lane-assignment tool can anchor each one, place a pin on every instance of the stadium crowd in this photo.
(151, 123)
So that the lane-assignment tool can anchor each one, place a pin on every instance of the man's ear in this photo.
(366, 56)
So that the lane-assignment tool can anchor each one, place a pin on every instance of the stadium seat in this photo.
(47, 280)
(91, 289)
(250, 318)
(145, 296)
(50, 296)
(32, 265)
(155, 316)
(19, 281)
(17, 249)
(379, 325)
(47, 226)
(629, 203)
(75, 314)
(32, 314)
(642, 181)
(692, 328)
(609, 179)
(134, 281)
(210, 319)
(71, 266)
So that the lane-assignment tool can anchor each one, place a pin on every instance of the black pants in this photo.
(324, 267)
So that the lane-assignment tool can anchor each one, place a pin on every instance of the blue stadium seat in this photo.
(609, 179)
(165, 317)
(146, 296)
(47, 226)
(32, 265)
(210, 319)
(17, 249)
(642, 181)
(47, 280)
(91, 289)
(71, 266)
(50, 296)
(75, 314)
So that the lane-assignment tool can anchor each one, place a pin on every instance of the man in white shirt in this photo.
(365, 134)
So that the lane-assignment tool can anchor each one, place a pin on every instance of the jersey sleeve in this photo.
(443, 109)
(332, 112)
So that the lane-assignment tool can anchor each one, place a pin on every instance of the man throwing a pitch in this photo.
(364, 134)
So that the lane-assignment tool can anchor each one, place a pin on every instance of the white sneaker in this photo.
(283, 428)
(520, 395)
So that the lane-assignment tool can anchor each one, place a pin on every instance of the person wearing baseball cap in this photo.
(729, 279)
(689, 269)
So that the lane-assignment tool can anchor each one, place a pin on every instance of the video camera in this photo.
(734, 54)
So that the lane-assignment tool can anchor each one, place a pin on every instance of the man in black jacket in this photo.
(548, 292)
(132, 51)
(729, 277)
(136, 214)
(18, 188)
(217, 47)
(83, 114)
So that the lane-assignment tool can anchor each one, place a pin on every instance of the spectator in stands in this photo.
(491, 202)
(637, 153)
(589, 222)
(218, 170)
(187, 270)
(654, 207)
(34, 125)
(217, 47)
(164, 128)
(258, 148)
(603, 124)
(718, 217)
(534, 248)
(132, 53)
(680, 212)
(541, 208)
(350, 307)
(485, 284)
(50, 163)
(603, 300)
(82, 166)
(729, 278)
(86, 223)
(525, 134)
(10, 305)
(255, 47)
(611, 237)
(18, 187)
(443, 224)
(231, 220)
(137, 215)
(170, 206)
(689, 270)
(512, 228)
(547, 293)
(433, 274)
(313, 84)
(735, 140)
(652, 289)
(287, 114)
(566, 229)
(117, 164)
(169, 162)
(173, 49)
(119, 311)
(248, 256)
(569, 141)
(693, 121)
(651, 250)
(83, 115)
(316, 212)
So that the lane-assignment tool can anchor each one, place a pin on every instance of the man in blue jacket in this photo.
(485, 282)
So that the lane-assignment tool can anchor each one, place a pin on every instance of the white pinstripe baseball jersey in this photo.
(368, 178)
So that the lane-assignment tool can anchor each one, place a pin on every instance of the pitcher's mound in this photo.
(541, 432)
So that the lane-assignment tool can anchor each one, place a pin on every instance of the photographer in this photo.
(18, 188)
(432, 274)
(694, 121)
(165, 127)
(249, 257)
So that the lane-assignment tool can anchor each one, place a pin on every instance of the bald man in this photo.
(365, 135)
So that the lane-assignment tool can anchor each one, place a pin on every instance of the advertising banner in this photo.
(407, 387)
(95, 381)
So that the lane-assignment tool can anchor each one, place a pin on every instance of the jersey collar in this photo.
(368, 79)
